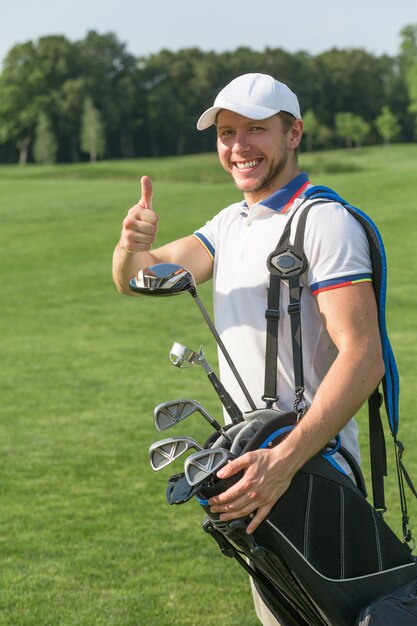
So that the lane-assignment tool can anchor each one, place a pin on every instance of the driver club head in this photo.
(162, 279)
(166, 451)
(202, 465)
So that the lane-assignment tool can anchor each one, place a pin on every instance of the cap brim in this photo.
(208, 118)
(252, 111)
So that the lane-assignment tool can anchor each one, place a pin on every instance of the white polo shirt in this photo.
(239, 241)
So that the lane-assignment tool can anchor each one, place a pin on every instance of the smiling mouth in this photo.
(247, 165)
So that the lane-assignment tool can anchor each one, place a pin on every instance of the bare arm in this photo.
(133, 251)
(350, 316)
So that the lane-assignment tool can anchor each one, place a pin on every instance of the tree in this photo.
(30, 84)
(411, 80)
(360, 129)
(408, 63)
(111, 75)
(45, 147)
(349, 80)
(408, 47)
(19, 99)
(311, 128)
(352, 128)
(92, 131)
(69, 112)
(343, 125)
(387, 124)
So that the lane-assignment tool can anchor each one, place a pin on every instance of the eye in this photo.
(256, 129)
(225, 132)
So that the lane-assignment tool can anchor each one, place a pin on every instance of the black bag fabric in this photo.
(396, 608)
(323, 546)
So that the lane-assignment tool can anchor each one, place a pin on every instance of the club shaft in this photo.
(210, 419)
(223, 349)
(229, 404)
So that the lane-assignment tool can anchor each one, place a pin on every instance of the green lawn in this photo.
(86, 537)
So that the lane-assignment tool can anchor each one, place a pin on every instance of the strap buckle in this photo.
(269, 400)
(272, 314)
(294, 308)
(285, 264)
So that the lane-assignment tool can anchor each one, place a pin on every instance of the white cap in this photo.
(256, 96)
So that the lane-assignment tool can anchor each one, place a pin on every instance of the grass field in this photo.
(86, 537)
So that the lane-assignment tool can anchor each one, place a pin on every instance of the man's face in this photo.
(258, 154)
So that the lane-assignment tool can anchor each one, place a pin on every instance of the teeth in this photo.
(247, 165)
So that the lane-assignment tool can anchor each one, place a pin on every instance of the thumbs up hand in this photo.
(147, 193)
(141, 223)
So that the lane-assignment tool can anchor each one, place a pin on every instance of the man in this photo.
(259, 129)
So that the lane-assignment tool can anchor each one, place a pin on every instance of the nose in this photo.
(241, 142)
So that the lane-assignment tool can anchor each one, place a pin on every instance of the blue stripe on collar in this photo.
(281, 199)
(284, 196)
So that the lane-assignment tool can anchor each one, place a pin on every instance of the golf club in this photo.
(203, 464)
(166, 451)
(183, 357)
(169, 279)
(173, 412)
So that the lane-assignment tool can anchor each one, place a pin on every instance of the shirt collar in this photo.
(282, 199)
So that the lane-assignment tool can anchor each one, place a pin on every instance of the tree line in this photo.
(63, 101)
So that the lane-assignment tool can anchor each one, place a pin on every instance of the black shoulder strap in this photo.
(286, 262)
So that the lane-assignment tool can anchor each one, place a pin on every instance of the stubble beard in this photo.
(265, 183)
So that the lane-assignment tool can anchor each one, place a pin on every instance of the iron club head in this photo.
(202, 465)
(173, 412)
(166, 451)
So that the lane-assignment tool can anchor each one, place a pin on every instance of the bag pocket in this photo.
(398, 608)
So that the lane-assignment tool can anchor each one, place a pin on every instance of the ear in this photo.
(295, 134)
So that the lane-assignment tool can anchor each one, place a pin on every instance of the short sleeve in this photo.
(336, 247)
(209, 234)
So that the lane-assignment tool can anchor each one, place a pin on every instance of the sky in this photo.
(149, 26)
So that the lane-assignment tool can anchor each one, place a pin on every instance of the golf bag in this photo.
(324, 555)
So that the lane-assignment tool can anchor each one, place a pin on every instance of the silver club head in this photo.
(181, 356)
(163, 279)
(170, 413)
(166, 451)
(201, 466)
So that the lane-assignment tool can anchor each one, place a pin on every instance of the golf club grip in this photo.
(229, 404)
